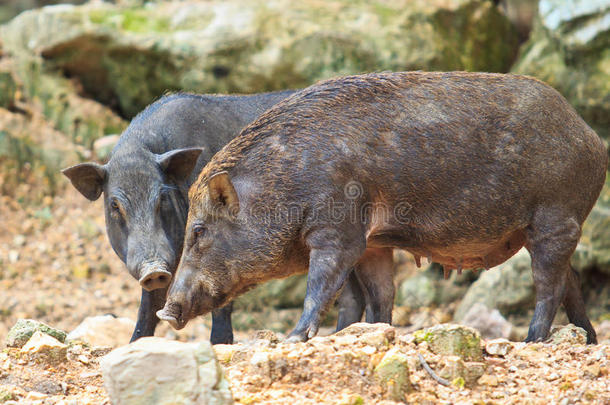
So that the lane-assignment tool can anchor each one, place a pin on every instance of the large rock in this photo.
(508, 288)
(32, 152)
(128, 56)
(103, 330)
(489, 322)
(593, 249)
(284, 293)
(154, 370)
(452, 340)
(568, 48)
(428, 287)
(24, 329)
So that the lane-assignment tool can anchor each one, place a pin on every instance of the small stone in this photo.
(25, 328)
(155, 370)
(568, 334)
(452, 340)
(489, 380)
(35, 396)
(362, 328)
(6, 395)
(103, 330)
(13, 256)
(19, 240)
(392, 373)
(368, 350)
(593, 371)
(99, 351)
(44, 346)
(498, 347)
(260, 359)
(83, 359)
(224, 353)
(266, 334)
(454, 368)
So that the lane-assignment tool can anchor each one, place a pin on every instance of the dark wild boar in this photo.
(463, 168)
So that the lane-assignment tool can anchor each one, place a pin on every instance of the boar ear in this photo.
(222, 193)
(179, 163)
(88, 178)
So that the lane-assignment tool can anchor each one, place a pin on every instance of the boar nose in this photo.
(172, 313)
(153, 277)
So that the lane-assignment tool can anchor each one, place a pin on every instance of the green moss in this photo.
(458, 382)
(6, 395)
(452, 340)
(392, 372)
(133, 20)
(25, 328)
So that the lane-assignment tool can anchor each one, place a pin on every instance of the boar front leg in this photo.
(331, 258)
(151, 302)
(222, 329)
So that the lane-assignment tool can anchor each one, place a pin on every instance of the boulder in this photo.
(429, 288)
(155, 370)
(593, 249)
(392, 373)
(489, 322)
(284, 293)
(452, 340)
(128, 56)
(508, 288)
(24, 329)
(103, 330)
(417, 291)
(568, 48)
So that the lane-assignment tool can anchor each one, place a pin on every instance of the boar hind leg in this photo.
(551, 239)
(330, 262)
(575, 306)
(375, 271)
(151, 302)
(351, 303)
(222, 329)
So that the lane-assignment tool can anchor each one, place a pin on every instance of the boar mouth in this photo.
(172, 314)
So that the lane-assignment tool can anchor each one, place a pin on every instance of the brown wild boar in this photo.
(463, 168)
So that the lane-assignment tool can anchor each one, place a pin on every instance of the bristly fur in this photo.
(301, 107)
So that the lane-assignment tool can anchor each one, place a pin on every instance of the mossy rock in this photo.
(593, 249)
(23, 330)
(392, 373)
(452, 340)
(127, 56)
(508, 288)
(569, 49)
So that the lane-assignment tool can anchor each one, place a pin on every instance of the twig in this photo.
(426, 367)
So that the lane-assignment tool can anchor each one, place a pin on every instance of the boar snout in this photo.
(154, 275)
(172, 313)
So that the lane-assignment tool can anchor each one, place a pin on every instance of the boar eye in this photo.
(199, 230)
(114, 204)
